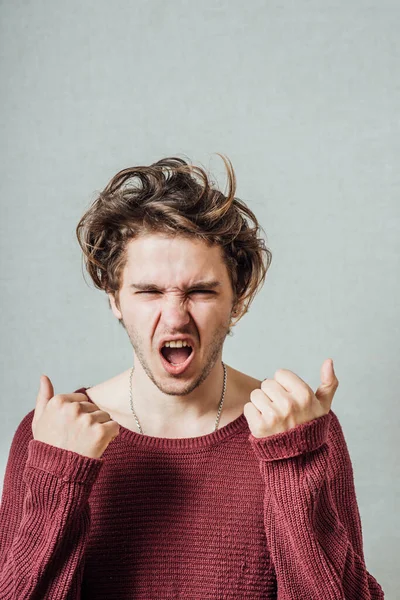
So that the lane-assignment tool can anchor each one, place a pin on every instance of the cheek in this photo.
(210, 315)
(135, 308)
(215, 320)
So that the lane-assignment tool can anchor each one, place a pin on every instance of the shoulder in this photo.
(243, 381)
(110, 393)
(242, 384)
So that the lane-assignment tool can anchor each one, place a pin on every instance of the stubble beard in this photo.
(214, 351)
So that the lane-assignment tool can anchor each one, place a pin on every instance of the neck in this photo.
(167, 405)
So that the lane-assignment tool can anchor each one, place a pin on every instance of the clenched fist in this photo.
(69, 421)
(286, 401)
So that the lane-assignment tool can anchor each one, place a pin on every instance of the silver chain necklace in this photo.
(219, 407)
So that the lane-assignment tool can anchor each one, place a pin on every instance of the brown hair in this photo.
(175, 198)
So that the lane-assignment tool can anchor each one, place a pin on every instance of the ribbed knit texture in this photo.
(221, 516)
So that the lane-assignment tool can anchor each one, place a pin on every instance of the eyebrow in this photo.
(147, 285)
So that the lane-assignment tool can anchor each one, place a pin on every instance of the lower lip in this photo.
(176, 369)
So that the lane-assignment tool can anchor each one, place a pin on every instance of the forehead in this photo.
(173, 260)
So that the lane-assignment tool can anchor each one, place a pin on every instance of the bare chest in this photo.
(205, 426)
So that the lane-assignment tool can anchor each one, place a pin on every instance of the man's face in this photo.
(166, 301)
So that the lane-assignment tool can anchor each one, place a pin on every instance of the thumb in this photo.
(329, 384)
(46, 391)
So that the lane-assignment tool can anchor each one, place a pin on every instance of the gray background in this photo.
(304, 99)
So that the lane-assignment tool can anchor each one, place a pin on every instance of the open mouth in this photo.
(176, 356)
(177, 359)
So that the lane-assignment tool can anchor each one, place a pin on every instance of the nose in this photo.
(175, 315)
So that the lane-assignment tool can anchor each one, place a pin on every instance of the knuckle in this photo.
(252, 395)
(74, 408)
(259, 394)
(57, 400)
(279, 372)
(247, 406)
(98, 431)
(88, 417)
(307, 399)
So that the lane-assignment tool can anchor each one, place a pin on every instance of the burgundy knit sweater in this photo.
(221, 516)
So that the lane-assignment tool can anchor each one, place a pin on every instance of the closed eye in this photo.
(191, 292)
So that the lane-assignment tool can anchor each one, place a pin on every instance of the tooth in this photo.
(177, 344)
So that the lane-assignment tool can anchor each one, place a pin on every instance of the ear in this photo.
(116, 312)
(236, 310)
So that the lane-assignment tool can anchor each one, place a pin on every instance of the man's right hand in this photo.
(69, 421)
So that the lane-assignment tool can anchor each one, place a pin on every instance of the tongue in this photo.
(176, 355)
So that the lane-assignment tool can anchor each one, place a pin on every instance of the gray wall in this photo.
(304, 98)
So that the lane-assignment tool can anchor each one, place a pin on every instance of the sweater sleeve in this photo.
(44, 519)
(311, 516)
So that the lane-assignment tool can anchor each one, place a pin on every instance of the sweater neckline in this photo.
(189, 444)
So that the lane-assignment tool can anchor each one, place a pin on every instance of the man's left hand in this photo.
(287, 401)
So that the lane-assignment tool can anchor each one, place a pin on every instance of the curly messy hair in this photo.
(175, 198)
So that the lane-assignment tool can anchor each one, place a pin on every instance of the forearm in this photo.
(310, 547)
(44, 557)
(315, 555)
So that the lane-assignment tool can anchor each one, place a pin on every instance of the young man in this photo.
(180, 477)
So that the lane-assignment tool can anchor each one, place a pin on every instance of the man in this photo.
(180, 477)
